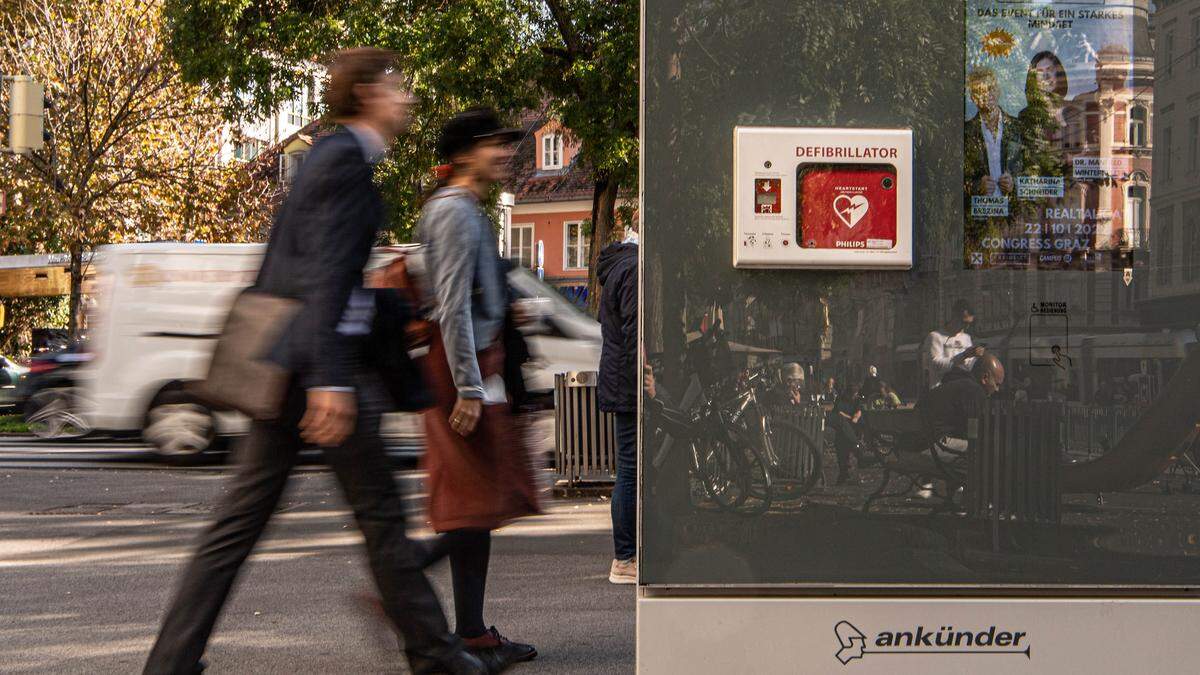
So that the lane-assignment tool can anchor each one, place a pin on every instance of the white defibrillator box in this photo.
(822, 198)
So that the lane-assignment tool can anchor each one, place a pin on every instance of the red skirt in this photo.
(483, 480)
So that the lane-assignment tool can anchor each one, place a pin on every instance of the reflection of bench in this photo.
(901, 442)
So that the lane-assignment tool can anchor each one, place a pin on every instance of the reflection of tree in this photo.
(720, 63)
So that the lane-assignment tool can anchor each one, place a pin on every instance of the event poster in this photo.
(1057, 96)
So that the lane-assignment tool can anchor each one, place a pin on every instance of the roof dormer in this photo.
(555, 149)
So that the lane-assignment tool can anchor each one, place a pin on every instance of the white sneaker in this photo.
(623, 572)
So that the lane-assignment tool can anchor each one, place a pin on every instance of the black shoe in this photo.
(459, 663)
(498, 652)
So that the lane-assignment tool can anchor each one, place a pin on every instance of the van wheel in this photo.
(182, 430)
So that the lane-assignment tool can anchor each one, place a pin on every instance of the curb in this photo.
(584, 490)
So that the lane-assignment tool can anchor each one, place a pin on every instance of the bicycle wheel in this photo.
(736, 478)
(762, 485)
(722, 472)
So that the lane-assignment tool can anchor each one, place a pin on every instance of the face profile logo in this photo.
(850, 209)
(853, 644)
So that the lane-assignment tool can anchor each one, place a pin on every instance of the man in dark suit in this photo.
(319, 245)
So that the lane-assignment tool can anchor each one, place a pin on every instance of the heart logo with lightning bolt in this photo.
(850, 210)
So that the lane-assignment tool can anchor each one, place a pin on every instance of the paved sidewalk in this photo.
(87, 559)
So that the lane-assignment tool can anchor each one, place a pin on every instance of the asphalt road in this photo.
(88, 557)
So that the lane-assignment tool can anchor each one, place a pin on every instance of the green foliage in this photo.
(24, 314)
(13, 424)
(574, 59)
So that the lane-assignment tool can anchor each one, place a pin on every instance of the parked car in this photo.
(160, 308)
(47, 395)
(11, 374)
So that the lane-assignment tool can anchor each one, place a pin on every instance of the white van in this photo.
(160, 308)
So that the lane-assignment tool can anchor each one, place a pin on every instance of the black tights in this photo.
(469, 552)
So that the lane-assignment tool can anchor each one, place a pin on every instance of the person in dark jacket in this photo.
(617, 270)
(320, 243)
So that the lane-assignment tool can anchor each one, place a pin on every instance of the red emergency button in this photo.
(767, 195)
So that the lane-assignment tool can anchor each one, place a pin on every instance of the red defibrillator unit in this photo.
(822, 198)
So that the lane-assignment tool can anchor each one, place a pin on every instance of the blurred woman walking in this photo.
(480, 475)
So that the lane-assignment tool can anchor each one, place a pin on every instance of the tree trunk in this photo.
(604, 216)
(76, 291)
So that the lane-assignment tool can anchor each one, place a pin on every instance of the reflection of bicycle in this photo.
(727, 471)
(793, 458)
(742, 458)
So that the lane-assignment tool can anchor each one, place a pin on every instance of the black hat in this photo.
(467, 128)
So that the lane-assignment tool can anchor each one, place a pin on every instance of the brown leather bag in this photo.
(239, 376)
(397, 275)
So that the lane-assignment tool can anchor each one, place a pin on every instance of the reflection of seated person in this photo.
(949, 348)
(944, 411)
(665, 463)
(886, 399)
(794, 382)
(992, 139)
(843, 419)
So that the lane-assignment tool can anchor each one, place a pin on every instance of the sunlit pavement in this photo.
(88, 557)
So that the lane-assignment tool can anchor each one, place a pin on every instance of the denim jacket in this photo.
(465, 286)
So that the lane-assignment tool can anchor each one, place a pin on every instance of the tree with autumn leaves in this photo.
(134, 150)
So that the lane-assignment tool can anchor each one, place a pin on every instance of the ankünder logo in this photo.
(944, 640)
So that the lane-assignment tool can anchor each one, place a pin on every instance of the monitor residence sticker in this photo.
(1052, 144)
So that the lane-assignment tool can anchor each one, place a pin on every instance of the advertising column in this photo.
(924, 366)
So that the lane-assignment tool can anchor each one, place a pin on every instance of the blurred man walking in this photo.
(320, 243)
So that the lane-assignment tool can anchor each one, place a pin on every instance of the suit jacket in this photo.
(320, 242)
(975, 159)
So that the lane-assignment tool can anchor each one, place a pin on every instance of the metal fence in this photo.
(1094, 429)
(1013, 470)
(799, 432)
(585, 440)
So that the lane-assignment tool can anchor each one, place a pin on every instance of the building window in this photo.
(1164, 246)
(1194, 145)
(247, 149)
(552, 151)
(578, 247)
(1093, 124)
(1137, 126)
(1168, 154)
(1168, 55)
(289, 166)
(520, 246)
(299, 108)
(1191, 241)
(1135, 216)
(1196, 42)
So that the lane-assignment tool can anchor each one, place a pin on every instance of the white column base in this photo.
(792, 635)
